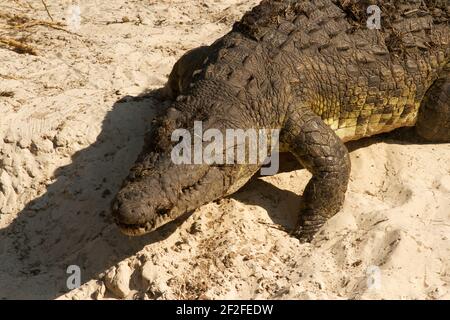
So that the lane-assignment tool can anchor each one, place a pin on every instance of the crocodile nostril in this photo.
(129, 195)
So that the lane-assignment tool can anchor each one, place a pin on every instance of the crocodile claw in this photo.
(302, 235)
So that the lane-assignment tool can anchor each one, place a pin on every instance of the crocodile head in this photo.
(158, 190)
(157, 196)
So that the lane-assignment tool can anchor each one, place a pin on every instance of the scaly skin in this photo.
(312, 69)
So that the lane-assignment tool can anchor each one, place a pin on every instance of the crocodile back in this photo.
(359, 80)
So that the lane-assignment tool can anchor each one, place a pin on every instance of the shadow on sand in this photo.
(70, 224)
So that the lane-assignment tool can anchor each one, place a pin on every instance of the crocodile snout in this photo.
(140, 208)
(130, 214)
(152, 198)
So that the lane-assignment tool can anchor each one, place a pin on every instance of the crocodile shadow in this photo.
(70, 224)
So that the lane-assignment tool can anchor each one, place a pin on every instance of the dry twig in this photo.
(46, 9)
(18, 46)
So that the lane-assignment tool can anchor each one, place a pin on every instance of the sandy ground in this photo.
(72, 124)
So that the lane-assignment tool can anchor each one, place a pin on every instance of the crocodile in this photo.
(313, 70)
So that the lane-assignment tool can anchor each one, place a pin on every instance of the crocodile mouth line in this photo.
(134, 229)
(138, 229)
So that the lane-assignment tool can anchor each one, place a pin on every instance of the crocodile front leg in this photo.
(433, 122)
(323, 153)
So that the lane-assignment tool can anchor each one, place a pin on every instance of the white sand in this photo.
(67, 143)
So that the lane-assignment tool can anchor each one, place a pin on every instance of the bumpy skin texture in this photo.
(312, 69)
